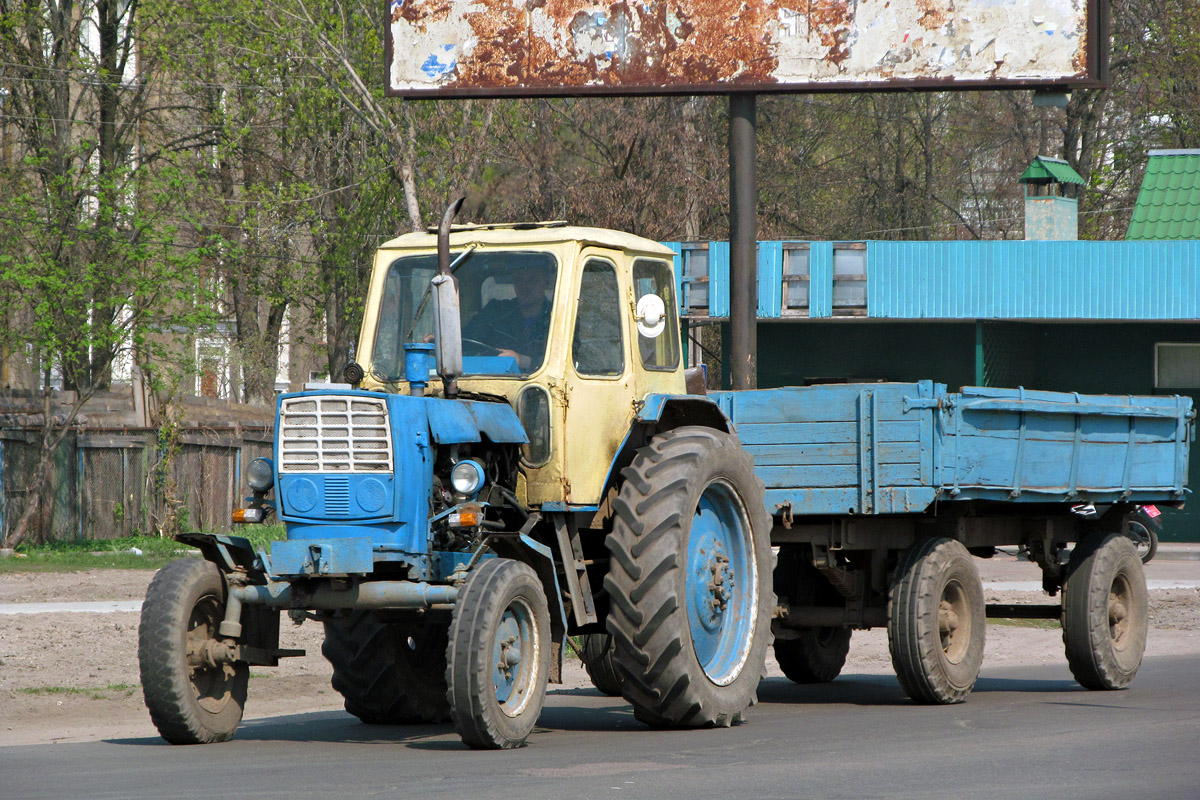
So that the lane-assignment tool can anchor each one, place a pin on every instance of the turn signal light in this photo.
(464, 519)
(247, 515)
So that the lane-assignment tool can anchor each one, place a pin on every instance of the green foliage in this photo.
(112, 691)
(131, 552)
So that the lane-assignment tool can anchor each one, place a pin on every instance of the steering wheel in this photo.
(479, 347)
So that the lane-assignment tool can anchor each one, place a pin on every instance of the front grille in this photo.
(337, 497)
(331, 433)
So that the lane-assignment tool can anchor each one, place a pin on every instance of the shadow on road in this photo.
(574, 710)
(586, 710)
(884, 690)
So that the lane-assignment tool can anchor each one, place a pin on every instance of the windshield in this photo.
(505, 299)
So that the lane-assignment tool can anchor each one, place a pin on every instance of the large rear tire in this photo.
(498, 659)
(936, 622)
(193, 697)
(1105, 612)
(690, 580)
(389, 673)
(597, 657)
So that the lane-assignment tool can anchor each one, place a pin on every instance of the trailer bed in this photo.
(897, 448)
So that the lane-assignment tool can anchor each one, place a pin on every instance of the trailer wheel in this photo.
(936, 622)
(809, 655)
(498, 658)
(816, 655)
(389, 673)
(597, 657)
(689, 582)
(194, 696)
(1105, 612)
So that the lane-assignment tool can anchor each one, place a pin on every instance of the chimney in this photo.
(1051, 200)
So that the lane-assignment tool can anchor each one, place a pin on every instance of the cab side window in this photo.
(598, 347)
(659, 352)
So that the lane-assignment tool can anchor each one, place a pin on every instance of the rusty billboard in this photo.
(577, 47)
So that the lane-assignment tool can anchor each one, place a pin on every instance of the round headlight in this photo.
(466, 477)
(260, 475)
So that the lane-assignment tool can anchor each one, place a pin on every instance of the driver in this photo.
(517, 328)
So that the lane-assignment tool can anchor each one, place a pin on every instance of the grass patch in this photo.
(133, 552)
(1043, 624)
(112, 691)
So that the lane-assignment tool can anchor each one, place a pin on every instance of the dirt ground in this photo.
(70, 677)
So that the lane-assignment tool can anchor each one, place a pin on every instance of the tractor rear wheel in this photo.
(690, 580)
(389, 673)
(597, 657)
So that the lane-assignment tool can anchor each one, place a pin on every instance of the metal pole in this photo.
(743, 242)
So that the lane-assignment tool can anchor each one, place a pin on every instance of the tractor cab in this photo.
(574, 327)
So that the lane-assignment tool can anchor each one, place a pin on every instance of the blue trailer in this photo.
(873, 486)
(522, 457)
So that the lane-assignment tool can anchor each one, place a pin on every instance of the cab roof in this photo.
(530, 234)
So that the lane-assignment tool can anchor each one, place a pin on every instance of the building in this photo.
(1096, 317)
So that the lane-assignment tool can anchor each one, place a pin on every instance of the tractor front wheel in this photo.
(194, 692)
(498, 659)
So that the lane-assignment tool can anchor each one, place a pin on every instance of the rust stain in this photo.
(830, 22)
(934, 14)
(1080, 59)
(633, 43)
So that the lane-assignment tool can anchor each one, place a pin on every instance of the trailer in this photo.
(522, 457)
(880, 493)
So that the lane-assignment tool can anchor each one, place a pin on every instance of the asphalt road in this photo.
(1026, 732)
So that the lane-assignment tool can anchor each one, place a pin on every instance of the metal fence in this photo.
(111, 483)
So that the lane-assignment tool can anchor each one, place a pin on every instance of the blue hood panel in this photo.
(391, 509)
(455, 421)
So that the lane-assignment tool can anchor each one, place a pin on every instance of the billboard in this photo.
(576, 47)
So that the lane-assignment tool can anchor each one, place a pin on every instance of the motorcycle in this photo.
(1143, 527)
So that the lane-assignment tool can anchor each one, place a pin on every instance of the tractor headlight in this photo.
(466, 477)
(260, 475)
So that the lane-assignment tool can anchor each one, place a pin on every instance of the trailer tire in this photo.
(816, 655)
(691, 597)
(196, 703)
(936, 622)
(498, 658)
(597, 657)
(808, 655)
(389, 673)
(1105, 612)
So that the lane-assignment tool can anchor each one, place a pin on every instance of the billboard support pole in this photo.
(743, 241)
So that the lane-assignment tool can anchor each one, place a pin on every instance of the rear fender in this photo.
(659, 413)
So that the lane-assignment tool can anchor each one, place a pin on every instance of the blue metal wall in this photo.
(988, 280)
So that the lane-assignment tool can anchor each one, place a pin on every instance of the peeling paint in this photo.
(557, 46)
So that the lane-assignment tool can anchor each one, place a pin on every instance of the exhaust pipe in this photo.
(447, 321)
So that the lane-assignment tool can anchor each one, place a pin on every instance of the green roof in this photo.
(1050, 170)
(1168, 206)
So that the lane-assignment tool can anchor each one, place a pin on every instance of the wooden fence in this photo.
(120, 482)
